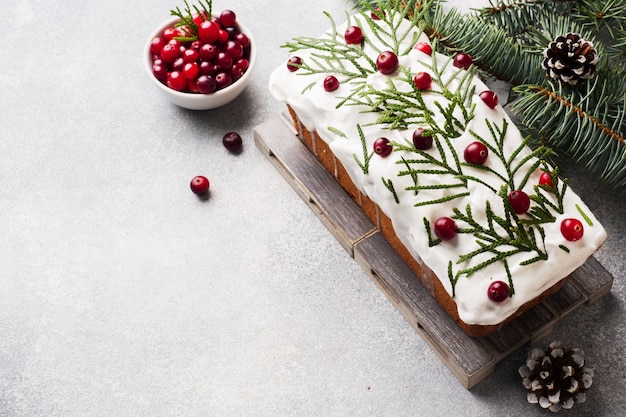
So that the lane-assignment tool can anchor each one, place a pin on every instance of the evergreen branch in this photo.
(491, 48)
(590, 132)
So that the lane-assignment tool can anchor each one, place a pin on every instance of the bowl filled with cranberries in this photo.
(200, 60)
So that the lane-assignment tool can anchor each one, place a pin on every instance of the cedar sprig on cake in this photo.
(331, 52)
(401, 103)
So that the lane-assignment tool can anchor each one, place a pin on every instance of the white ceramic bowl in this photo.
(196, 101)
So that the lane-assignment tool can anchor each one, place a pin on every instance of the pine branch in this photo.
(591, 131)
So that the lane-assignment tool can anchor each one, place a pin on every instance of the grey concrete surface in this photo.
(122, 294)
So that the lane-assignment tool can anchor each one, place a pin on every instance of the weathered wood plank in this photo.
(470, 359)
(594, 279)
(465, 356)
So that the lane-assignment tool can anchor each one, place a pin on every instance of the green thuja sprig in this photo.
(186, 16)
(500, 238)
(497, 148)
(402, 104)
(389, 184)
(330, 54)
(434, 163)
(395, 14)
(367, 156)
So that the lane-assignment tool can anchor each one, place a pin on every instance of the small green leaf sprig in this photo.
(367, 156)
(186, 16)
(330, 54)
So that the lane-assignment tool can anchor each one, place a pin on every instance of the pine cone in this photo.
(570, 59)
(556, 379)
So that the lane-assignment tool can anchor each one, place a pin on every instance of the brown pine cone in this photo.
(570, 59)
(557, 378)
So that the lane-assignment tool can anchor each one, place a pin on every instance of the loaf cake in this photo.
(424, 148)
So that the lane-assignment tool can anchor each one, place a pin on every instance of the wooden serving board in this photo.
(470, 359)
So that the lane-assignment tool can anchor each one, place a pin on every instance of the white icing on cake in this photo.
(317, 110)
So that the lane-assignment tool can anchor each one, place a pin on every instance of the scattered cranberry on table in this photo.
(200, 185)
(232, 141)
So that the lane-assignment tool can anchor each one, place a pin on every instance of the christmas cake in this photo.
(422, 145)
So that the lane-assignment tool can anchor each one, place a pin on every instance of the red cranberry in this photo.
(191, 70)
(234, 49)
(377, 13)
(192, 85)
(572, 229)
(489, 98)
(197, 19)
(294, 63)
(462, 60)
(331, 83)
(208, 51)
(206, 84)
(546, 180)
(243, 39)
(208, 31)
(170, 53)
(498, 291)
(156, 45)
(224, 60)
(207, 68)
(445, 228)
(228, 18)
(170, 33)
(476, 153)
(222, 36)
(422, 81)
(160, 71)
(424, 47)
(232, 141)
(382, 147)
(239, 68)
(176, 81)
(354, 35)
(190, 55)
(421, 141)
(519, 200)
(177, 65)
(223, 80)
(200, 185)
(387, 62)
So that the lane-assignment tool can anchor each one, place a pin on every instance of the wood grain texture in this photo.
(471, 360)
